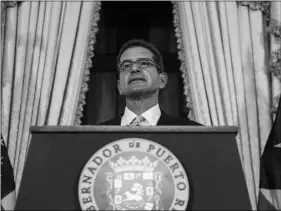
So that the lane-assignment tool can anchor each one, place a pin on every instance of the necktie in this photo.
(139, 121)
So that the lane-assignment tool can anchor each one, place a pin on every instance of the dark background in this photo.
(120, 22)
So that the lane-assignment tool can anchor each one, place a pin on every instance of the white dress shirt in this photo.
(152, 115)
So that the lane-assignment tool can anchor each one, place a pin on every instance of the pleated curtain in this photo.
(47, 49)
(224, 51)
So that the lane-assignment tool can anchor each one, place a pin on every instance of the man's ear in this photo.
(163, 80)
(118, 86)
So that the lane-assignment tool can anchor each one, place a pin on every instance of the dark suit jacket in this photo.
(165, 119)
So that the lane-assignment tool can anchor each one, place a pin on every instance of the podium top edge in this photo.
(102, 128)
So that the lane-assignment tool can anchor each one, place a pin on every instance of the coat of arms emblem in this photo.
(134, 185)
(133, 174)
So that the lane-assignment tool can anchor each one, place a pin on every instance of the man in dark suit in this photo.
(141, 77)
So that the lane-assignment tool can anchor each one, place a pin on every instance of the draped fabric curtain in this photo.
(224, 51)
(47, 50)
(274, 30)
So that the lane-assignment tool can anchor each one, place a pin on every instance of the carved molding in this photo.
(275, 104)
(88, 63)
(4, 6)
(264, 6)
(181, 56)
(275, 63)
(7, 4)
(274, 28)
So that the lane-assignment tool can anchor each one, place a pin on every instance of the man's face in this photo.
(139, 81)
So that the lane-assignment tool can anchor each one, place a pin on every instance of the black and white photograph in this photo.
(140, 105)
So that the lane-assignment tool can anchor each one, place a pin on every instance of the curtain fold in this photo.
(224, 46)
(7, 68)
(261, 74)
(34, 6)
(42, 57)
(215, 37)
(206, 60)
(188, 48)
(17, 84)
(38, 40)
(252, 142)
(227, 59)
(63, 63)
(77, 63)
(53, 25)
(44, 54)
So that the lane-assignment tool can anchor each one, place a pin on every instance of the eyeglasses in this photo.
(142, 63)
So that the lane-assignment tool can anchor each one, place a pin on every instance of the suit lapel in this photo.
(164, 119)
(117, 121)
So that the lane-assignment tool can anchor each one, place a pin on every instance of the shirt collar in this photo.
(152, 115)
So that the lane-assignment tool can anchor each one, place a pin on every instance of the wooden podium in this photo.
(57, 155)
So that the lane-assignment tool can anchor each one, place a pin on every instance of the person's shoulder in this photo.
(166, 119)
(114, 121)
(185, 121)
